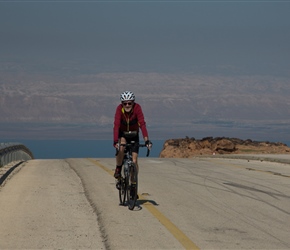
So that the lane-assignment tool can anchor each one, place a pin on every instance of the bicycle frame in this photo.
(130, 178)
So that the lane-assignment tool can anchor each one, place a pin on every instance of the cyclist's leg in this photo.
(120, 155)
(135, 152)
(135, 160)
(134, 175)
(119, 158)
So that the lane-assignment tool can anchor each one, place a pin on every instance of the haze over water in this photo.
(198, 68)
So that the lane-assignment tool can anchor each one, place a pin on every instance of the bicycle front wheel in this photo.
(132, 190)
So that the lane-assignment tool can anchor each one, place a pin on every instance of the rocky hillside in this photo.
(46, 104)
(168, 98)
(188, 147)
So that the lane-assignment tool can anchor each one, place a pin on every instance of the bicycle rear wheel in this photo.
(132, 190)
(123, 190)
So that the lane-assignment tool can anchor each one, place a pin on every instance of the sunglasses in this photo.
(127, 103)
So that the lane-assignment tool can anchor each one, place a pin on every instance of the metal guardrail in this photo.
(14, 152)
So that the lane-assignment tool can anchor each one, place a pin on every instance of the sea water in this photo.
(62, 149)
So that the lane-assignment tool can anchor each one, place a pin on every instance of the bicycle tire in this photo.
(131, 199)
(123, 190)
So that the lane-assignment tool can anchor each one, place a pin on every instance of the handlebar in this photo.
(130, 145)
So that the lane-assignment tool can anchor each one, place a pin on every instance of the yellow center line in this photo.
(174, 230)
(111, 172)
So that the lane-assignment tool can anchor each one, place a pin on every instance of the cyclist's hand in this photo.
(116, 145)
(148, 144)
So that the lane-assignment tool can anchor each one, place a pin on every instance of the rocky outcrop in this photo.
(188, 147)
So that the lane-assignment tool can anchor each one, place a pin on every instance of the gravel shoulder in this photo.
(7, 171)
(45, 206)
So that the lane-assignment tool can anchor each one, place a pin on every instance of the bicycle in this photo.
(128, 182)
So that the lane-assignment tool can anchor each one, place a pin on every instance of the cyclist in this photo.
(128, 119)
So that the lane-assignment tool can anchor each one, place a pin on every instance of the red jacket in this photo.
(129, 121)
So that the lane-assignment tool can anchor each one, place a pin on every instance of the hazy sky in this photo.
(226, 37)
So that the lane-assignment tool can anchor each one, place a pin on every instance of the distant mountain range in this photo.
(174, 104)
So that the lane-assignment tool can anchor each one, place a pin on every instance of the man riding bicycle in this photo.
(128, 119)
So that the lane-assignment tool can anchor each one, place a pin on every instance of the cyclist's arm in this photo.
(142, 123)
(117, 122)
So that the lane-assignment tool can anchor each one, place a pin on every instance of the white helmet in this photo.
(127, 96)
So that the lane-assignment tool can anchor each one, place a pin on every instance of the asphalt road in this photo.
(199, 203)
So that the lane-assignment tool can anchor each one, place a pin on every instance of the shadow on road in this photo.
(141, 202)
(7, 173)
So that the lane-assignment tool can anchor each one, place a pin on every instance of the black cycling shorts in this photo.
(134, 138)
